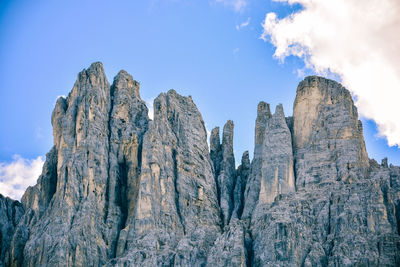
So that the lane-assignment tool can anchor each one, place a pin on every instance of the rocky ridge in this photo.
(120, 189)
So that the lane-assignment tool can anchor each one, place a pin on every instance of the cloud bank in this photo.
(17, 175)
(357, 40)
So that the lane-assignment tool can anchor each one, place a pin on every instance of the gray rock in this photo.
(253, 185)
(229, 248)
(327, 135)
(242, 174)
(127, 123)
(277, 174)
(339, 224)
(224, 169)
(11, 212)
(272, 170)
(176, 219)
(216, 151)
(72, 230)
(118, 189)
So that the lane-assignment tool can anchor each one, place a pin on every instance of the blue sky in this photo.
(195, 46)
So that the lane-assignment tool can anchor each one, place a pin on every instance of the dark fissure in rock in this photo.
(178, 210)
(248, 243)
(121, 192)
(107, 194)
(397, 213)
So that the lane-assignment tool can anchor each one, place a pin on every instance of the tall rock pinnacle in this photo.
(328, 137)
(224, 167)
(252, 190)
(277, 165)
(272, 170)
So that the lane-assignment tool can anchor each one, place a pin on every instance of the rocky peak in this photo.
(253, 185)
(277, 173)
(328, 137)
(125, 80)
(263, 115)
(215, 151)
(227, 177)
(272, 170)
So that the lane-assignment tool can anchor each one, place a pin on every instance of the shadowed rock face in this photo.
(119, 189)
(224, 169)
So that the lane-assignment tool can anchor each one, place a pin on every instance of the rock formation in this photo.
(328, 137)
(11, 212)
(224, 169)
(119, 189)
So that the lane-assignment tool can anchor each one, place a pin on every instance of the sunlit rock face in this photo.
(328, 137)
(119, 189)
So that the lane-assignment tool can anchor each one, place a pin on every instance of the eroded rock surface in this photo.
(11, 212)
(328, 137)
(119, 189)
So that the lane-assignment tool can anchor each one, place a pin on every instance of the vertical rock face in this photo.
(229, 248)
(224, 168)
(11, 212)
(72, 224)
(216, 151)
(328, 137)
(118, 189)
(127, 124)
(38, 197)
(272, 167)
(177, 214)
(277, 164)
(242, 174)
(252, 190)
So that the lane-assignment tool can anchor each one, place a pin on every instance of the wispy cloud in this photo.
(237, 5)
(357, 40)
(17, 175)
(243, 24)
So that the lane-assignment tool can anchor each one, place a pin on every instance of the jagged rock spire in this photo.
(272, 170)
(227, 177)
(216, 151)
(128, 122)
(252, 190)
(242, 174)
(224, 168)
(277, 163)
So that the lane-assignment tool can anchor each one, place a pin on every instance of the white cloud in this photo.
(149, 104)
(357, 40)
(237, 5)
(243, 24)
(17, 175)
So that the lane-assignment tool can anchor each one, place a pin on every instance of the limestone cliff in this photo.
(119, 189)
